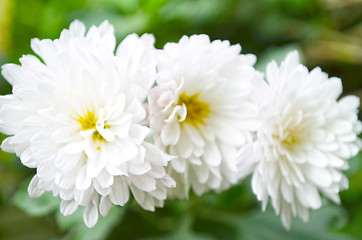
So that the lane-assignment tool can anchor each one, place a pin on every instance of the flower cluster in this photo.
(304, 140)
(201, 111)
(98, 123)
(78, 119)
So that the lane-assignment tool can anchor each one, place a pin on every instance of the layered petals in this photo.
(201, 111)
(78, 118)
(305, 138)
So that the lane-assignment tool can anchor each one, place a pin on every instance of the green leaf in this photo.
(74, 224)
(78, 230)
(267, 226)
(4, 156)
(355, 164)
(277, 54)
(184, 231)
(17, 225)
(41, 206)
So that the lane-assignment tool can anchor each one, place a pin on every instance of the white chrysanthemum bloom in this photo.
(305, 138)
(77, 118)
(201, 111)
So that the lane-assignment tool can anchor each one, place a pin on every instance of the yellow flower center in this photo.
(197, 110)
(289, 139)
(88, 122)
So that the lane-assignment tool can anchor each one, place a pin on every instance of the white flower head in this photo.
(305, 138)
(201, 111)
(77, 118)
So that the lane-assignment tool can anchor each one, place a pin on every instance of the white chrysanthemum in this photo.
(77, 117)
(201, 111)
(305, 139)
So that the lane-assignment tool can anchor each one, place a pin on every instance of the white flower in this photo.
(201, 111)
(77, 117)
(305, 139)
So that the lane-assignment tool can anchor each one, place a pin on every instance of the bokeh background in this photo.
(327, 33)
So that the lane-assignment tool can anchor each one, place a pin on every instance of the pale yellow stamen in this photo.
(289, 138)
(197, 110)
(89, 121)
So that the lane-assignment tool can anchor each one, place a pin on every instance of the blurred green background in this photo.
(328, 33)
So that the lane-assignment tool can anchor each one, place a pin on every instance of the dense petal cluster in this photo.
(97, 123)
(201, 111)
(77, 117)
(304, 140)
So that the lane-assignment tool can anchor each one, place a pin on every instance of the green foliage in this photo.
(326, 33)
(72, 225)
(277, 54)
(41, 206)
(17, 225)
(78, 231)
(258, 225)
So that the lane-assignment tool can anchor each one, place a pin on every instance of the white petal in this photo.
(120, 192)
(102, 191)
(104, 206)
(319, 176)
(82, 181)
(184, 146)
(157, 172)
(27, 159)
(74, 147)
(114, 155)
(106, 31)
(309, 196)
(349, 137)
(65, 162)
(350, 102)
(302, 212)
(148, 203)
(165, 99)
(160, 193)
(317, 158)
(214, 182)
(46, 171)
(202, 173)
(93, 167)
(168, 181)
(33, 189)
(212, 154)
(128, 149)
(155, 155)
(6, 146)
(195, 161)
(194, 134)
(77, 28)
(138, 194)
(104, 179)
(328, 147)
(84, 197)
(108, 135)
(139, 132)
(170, 133)
(90, 215)
(139, 169)
(286, 216)
(342, 127)
(179, 165)
(68, 207)
(144, 182)
(287, 191)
